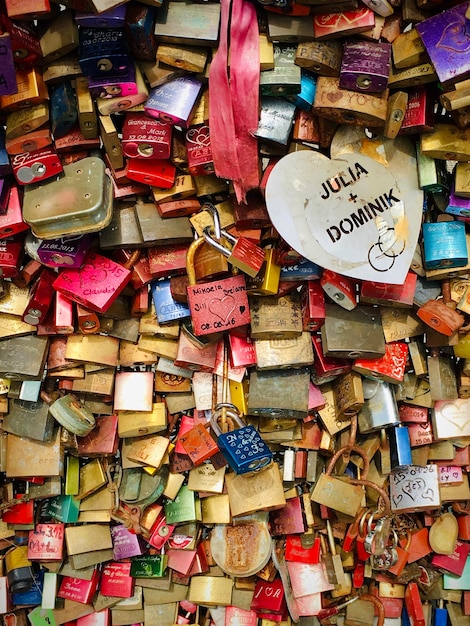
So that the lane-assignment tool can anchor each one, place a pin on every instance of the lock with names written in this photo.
(218, 305)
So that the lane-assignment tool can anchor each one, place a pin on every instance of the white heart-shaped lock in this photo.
(352, 214)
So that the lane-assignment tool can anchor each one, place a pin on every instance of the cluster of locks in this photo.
(234, 313)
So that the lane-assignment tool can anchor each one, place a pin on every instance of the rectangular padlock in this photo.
(40, 298)
(350, 108)
(60, 208)
(244, 254)
(408, 486)
(215, 306)
(198, 150)
(432, 173)
(103, 52)
(365, 66)
(284, 78)
(175, 101)
(24, 41)
(275, 122)
(243, 447)
(419, 113)
(322, 57)
(35, 166)
(268, 389)
(440, 31)
(139, 26)
(108, 87)
(352, 334)
(145, 138)
(380, 408)
(335, 25)
(458, 205)
(59, 37)
(96, 284)
(31, 90)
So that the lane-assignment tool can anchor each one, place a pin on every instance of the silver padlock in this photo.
(380, 408)
(388, 558)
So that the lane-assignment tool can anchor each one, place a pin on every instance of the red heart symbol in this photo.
(222, 307)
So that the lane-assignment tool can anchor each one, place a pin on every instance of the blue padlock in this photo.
(243, 447)
(400, 447)
(440, 615)
(445, 245)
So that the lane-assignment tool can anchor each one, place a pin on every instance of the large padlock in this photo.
(217, 306)
(243, 447)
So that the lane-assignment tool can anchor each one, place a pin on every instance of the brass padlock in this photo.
(209, 263)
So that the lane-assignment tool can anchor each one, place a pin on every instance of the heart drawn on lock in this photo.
(222, 307)
(397, 499)
(452, 418)
(91, 274)
(428, 494)
(199, 136)
(350, 214)
(334, 96)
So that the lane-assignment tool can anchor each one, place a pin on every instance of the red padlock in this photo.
(216, 306)
(32, 167)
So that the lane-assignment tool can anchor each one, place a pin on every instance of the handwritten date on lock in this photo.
(219, 306)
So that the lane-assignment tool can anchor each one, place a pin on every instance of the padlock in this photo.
(216, 306)
(419, 113)
(245, 255)
(440, 317)
(35, 166)
(108, 87)
(63, 109)
(360, 336)
(400, 447)
(72, 415)
(444, 245)
(276, 318)
(284, 78)
(340, 289)
(348, 395)
(103, 51)
(380, 408)
(268, 391)
(389, 557)
(40, 298)
(243, 447)
(174, 102)
(145, 138)
(365, 66)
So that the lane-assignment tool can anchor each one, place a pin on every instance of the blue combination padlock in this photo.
(243, 447)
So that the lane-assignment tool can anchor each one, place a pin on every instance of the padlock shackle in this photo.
(378, 604)
(229, 237)
(215, 244)
(210, 208)
(190, 269)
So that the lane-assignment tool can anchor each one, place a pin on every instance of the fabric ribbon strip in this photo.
(234, 101)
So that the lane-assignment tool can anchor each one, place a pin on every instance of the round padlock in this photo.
(243, 548)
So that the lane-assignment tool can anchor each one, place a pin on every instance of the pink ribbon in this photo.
(234, 100)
